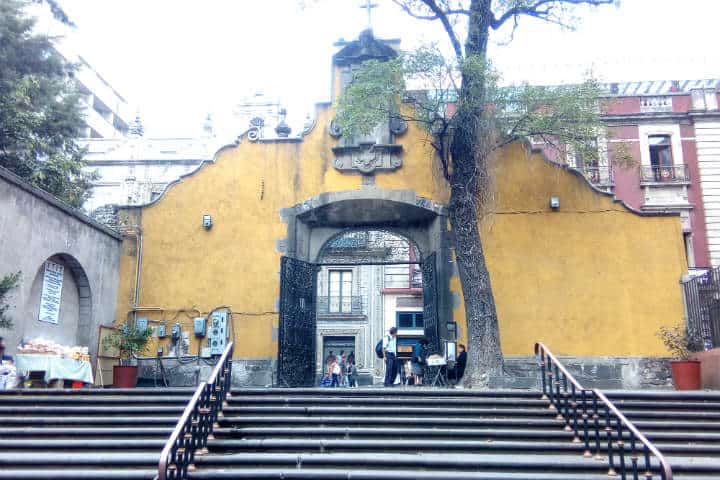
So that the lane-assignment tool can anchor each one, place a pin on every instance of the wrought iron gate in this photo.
(296, 340)
(430, 304)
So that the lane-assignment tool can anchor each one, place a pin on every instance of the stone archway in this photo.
(315, 222)
(74, 325)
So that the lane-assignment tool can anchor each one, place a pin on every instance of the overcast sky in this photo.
(177, 60)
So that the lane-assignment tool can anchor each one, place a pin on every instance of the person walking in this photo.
(389, 353)
(418, 360)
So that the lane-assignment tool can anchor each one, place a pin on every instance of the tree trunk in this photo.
(469, 175)
(484, 352)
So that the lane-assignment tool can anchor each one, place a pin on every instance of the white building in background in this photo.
(136, 170)
(107, 113)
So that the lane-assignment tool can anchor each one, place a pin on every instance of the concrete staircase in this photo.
(439, 434)
(86, 434)
(340, 434)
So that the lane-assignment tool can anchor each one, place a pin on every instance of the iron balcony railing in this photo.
(335, 305)
(702, 303)
(596, 422)
(190, 436)
(669, 174)
(600, 176)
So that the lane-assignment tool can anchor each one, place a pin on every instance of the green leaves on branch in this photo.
(7, 283)
(681, 341)
(40, 113)
(564, 118)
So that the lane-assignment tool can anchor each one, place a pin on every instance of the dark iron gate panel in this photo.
(296, 340)
(430, 304)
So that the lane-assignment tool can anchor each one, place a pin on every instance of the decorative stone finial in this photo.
(208, 126)
(283, 129)
(136, 129)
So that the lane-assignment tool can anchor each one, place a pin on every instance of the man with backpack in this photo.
(389, 347)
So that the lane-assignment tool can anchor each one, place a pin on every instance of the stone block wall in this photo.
(592, 372)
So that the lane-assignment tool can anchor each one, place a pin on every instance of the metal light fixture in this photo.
(207, 222)
(555, 203)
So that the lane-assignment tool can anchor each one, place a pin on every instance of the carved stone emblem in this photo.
(367, 158)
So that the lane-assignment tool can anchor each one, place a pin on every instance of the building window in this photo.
(410, 320)
(340, 291)
(661, 160)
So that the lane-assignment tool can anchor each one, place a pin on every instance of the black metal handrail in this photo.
(595, 420)
(196, 424)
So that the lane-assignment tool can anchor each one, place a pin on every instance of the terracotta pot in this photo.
(124, 377)
(686, 374)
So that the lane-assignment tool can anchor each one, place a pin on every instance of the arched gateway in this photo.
(394, 240)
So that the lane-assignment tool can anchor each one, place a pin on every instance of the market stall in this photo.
(56, 361)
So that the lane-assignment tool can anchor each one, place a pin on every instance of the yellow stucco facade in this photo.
(592, 278)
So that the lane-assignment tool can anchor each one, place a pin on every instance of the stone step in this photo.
(410, 445)
(99, 392)
(399, 422)
(96, 459)
(475, 462)
(94, 400)
(20, 420)
(701, 438)
(110, 444)
(49, 473)
(110, 411)
(366, 400)
(380, 392)
(74, 432)
(382, 474)
(358, 411)
(663, 395)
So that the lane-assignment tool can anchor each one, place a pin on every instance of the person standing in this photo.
(8, 372)
(335, 372)
(458, 371)
(389, 353)
(343, 367)
(351, 374)
(418, 360)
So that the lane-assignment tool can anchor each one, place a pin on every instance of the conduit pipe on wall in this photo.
(137, 233)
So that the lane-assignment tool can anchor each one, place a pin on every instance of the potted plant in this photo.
(128, 342)
(682, 342)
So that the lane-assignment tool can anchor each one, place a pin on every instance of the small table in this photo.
(55, 367)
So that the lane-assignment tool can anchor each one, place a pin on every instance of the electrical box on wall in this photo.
(141, 324)
(199, 326)
(217, 333)
(161, 330)
(176, 331)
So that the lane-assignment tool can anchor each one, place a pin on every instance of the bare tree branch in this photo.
(536, 10)
(441, 15)
(407, 9)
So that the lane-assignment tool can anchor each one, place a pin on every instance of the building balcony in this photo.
(672, 175)
(656, 104)
(340, 306)
(598, 176)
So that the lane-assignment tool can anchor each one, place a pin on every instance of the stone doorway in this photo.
(360, 242)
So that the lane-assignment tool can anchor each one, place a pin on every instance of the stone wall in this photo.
(183, 373)
(35, 227)
(592, 372)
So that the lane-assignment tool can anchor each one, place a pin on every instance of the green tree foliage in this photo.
(7, 283)
(40, 113)
(485, 117)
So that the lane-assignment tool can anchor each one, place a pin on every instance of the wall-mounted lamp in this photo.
(207, 222)
(555, 203)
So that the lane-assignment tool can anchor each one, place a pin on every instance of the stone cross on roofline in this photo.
(369, 6)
